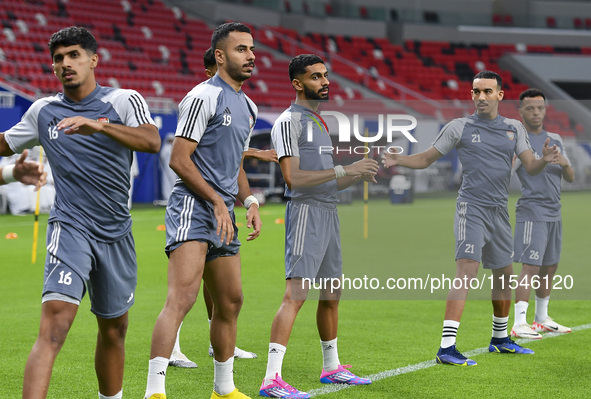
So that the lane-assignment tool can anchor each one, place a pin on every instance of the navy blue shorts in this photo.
(76, 261)
(312, 240)
(483, 234)
(538, 243)
(190, 218)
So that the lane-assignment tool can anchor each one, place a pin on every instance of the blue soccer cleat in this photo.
(342, 376)
(507, 345)
(452, 356)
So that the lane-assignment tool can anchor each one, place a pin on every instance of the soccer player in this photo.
(538, 232)
(216, 120)
(178, 358)
(88, 133)
(485, 142)
(211, 69)
(312, 242)
(24, 172)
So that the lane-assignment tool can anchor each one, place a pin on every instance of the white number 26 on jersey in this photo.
(227, 120)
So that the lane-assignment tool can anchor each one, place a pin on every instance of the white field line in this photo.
(423, 365)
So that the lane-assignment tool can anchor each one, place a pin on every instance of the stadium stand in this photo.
(438, 71)
(143, 45)
(158, 51)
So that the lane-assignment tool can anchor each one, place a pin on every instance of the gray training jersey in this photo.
(540, 194)
(485, 149)
(91, 173)
(221, 120)
(301, 132)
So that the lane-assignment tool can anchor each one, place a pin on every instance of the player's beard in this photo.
(71, 85)
(235, 70)
(315, 95)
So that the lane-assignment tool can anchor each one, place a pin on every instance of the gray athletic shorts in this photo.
(483, 234)
(76, 261)
(312, 240)
(538, 243)
(190, 218)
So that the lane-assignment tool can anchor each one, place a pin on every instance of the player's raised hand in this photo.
(225, 228)
(560, 160)
(362, 167)
(253, 219)
(549, 154)
(389, 159)
(80, 125)
(29, 172)
(267, 156)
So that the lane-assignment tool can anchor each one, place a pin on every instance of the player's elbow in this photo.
(532, 171)
(4, 147)
(287, 181)
(154, 144)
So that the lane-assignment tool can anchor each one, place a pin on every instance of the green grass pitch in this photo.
(379, 329)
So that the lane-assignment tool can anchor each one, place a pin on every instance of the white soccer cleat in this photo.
(551, 326)
(242, 354)
(178, 359)
(525, 331)
(238, 353)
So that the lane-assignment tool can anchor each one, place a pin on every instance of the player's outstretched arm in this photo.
(253, 218)
(296, 178)
(262, 155)
(534, 166)
(568, 173)
(144, 138)
(28, 172)
(421, 160)
(180, 162)
(5, 150)
(348, 181)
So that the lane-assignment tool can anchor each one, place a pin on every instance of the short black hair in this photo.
(72, 36)
(209, 58)
(298, 64)
(529, 93)
(222, 32)
(490, 75)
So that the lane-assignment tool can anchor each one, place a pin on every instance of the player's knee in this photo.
(290, 301)
(331, 304)
(114, 333)
(235, 302)
(181, 301)
(55, 333)
(229, 307)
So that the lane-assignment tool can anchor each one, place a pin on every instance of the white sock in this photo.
(499, 329)
(520, 313)
(274, 361)
(450, 331)
(209, 321)
(156, 376)
(118, 395)
(542, 308)
(330, 355)
(223, 376)
(177, 343)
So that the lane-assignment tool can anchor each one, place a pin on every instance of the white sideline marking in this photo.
(424, 365)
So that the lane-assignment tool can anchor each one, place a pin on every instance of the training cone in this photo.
(11, 236)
